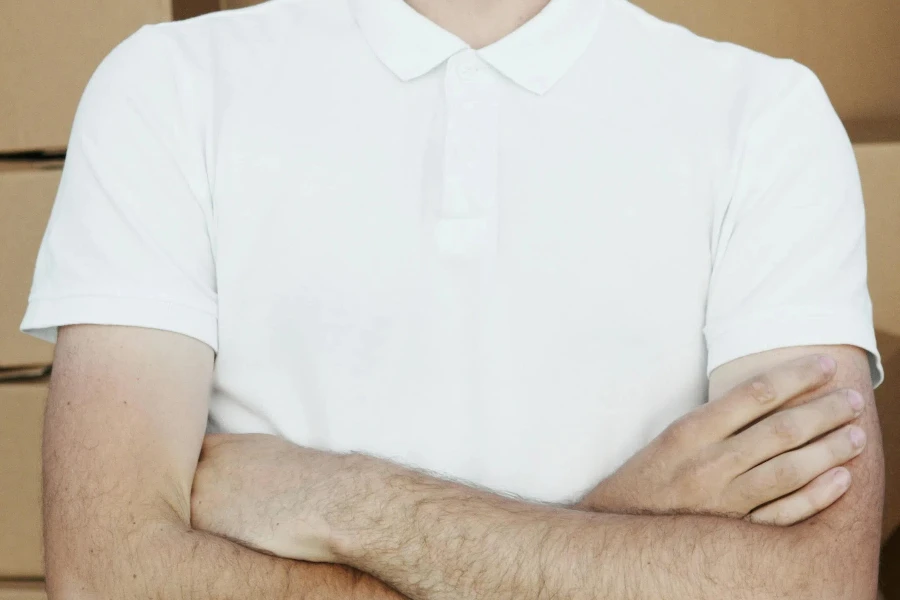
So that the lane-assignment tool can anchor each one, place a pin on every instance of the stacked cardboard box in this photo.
(854, 47)
(21, 417)
(49, 52)
(26, 196)
(27, 590)
(48, 56)
(230, 4)
(27, 189)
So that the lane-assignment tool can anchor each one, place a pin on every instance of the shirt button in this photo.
(456, 204)
(468, 72)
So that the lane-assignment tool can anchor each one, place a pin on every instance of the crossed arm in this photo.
(125, 424)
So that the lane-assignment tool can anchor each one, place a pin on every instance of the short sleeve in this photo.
(789, 266)
(130, 237)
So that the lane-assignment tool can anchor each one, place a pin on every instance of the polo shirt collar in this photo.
(535, 56)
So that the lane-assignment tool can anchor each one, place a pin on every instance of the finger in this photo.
(792, 428)
(816, 496)
(762, 394)
(791, 471)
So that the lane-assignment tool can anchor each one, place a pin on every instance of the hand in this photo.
(716, 461)
(267, 494)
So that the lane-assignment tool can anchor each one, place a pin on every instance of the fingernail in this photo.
(855, 399)
(827, 363)
(857, 437)
(842, 478)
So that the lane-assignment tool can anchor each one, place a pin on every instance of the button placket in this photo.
(470, 156)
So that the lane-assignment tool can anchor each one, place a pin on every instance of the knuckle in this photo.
(786, 474)
(835, 405)
(787, 429)
(817, 500)
(749, 496)
(843, 402)
(735, 503)
(728, 460)
(809, 370)
(701, 472)
(762, 389)
(760, 487)
(678, 432)
(809, 503)
(804, 506)
(840, 447)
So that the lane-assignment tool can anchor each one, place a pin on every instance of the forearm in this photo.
(124, 426)
(447, 541)
(166, 560)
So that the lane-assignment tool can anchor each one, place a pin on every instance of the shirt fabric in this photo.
(513, 266)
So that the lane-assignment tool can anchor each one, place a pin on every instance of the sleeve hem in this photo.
(44, 316)
(753, 335)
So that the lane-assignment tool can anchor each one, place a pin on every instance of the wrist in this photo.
(355, 506)
(316, 530)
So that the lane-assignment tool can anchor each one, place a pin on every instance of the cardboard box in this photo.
(48, 51)
(879, 167)
(27, 191)
(22, 590)
(230, 4)
(185, 9)
(49, 54)
(890, 568)
(887, 398)
(21, 424)
(854, 47)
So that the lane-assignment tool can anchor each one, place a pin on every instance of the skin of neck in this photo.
(479, 23)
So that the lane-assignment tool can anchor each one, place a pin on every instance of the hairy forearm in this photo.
(443, 540)
(166, 560)
(435, 540)
(125, 419)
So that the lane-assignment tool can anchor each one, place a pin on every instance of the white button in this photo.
(468, 72)
(456, 204)
(461, 237)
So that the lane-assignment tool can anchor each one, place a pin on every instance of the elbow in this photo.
(95, 565)
(60, 586)
(846, 585)
(853, 580)
(71, 578)
(70, 567)
(842, 570)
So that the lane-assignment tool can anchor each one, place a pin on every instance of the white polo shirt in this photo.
(513, 266)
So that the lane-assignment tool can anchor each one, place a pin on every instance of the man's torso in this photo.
(454, 271)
